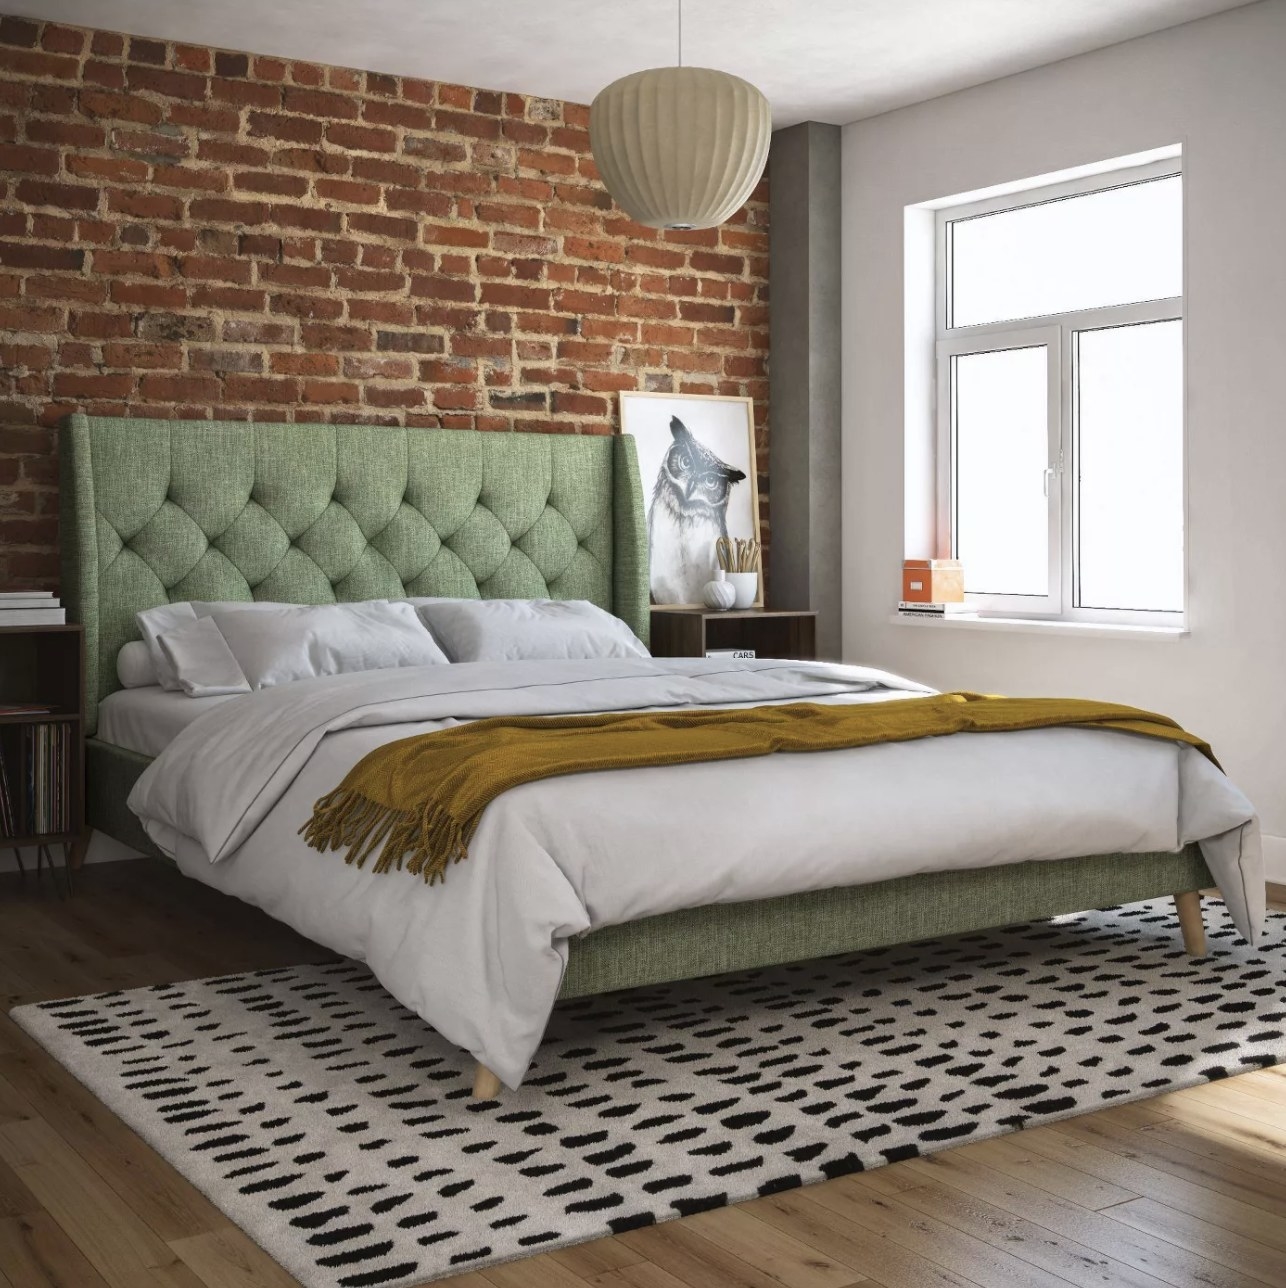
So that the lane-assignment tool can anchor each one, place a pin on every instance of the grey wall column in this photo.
(804, 374)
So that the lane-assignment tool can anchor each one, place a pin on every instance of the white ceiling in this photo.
(827, 60)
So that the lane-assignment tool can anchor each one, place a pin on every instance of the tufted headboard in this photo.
(155, 510)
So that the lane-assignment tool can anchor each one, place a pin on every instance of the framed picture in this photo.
(697, 464)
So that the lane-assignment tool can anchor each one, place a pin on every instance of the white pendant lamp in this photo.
(680, 147)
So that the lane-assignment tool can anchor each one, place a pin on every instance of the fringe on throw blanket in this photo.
(424, 841)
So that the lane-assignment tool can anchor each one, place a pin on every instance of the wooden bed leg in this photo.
(486, 1086)
(1191, 922)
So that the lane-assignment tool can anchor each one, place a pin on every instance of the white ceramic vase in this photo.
(746, 587)
(719, 594)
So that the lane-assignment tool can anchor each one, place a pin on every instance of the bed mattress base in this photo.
(767, 932)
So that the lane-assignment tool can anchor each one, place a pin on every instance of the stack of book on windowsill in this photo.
(909, 609)
(30, 608)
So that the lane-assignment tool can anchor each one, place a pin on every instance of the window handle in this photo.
(1049, 472)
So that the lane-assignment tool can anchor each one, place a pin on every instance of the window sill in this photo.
(1038, 626)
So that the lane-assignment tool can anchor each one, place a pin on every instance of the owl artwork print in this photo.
(688, 513)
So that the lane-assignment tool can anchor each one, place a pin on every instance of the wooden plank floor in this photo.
(1186, 1189)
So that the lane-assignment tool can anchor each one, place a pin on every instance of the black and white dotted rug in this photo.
(337, 1129)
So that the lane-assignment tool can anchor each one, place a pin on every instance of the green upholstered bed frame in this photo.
(154, 511)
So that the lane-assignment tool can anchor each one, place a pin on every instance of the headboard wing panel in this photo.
(155, 511)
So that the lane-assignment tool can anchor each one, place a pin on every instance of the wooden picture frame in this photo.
(695, 478)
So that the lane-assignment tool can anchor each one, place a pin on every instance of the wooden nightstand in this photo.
(43, 752)
(691, 632)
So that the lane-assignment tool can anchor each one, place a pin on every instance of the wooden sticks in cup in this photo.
(736, 554)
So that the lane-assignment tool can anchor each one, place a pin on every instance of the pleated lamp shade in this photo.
(680, 147)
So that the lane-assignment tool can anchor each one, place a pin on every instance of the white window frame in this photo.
(948, 350)
(1058, 332)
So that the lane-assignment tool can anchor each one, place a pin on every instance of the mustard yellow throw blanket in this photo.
(418, 801)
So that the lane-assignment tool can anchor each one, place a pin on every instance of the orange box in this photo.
(932, 581)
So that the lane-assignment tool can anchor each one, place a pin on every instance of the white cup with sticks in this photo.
(739, 559)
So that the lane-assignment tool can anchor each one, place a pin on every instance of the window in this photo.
(1060, 397)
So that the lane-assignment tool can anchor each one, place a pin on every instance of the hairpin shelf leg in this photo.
(22, 870)
(74, 852)
(42, 857)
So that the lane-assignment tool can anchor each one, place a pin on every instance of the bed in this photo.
(157, 511)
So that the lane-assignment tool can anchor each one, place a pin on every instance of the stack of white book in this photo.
(30, 608)
(909, 609)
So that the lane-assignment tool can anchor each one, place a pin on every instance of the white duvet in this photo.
(481, 957)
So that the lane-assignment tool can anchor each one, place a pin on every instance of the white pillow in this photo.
(155, 622)
(518, 630)
(134, 666)
(202, 661)
(299, 641)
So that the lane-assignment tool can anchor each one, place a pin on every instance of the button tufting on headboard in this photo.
(156, 510)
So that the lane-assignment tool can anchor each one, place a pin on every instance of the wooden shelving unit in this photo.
(689, 632)
(44, 665)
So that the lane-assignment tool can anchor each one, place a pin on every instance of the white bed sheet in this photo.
(147, 720)
(481, 956)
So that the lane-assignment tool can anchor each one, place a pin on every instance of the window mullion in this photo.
(1081, 320)
(1067, 468)
(1057, 393)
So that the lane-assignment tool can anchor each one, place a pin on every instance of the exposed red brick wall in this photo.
(199, 233)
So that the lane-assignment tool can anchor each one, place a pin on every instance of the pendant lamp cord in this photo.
(680, 33)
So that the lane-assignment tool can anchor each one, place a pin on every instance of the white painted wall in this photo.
(1217, 87)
